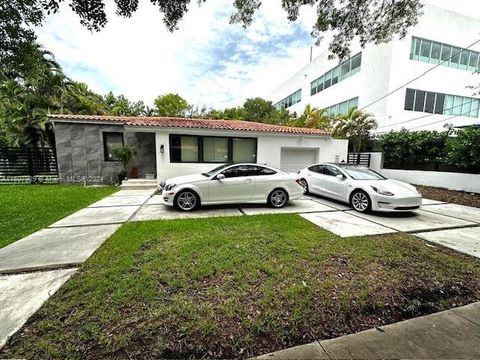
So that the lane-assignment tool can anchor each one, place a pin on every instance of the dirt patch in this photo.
(451, 196)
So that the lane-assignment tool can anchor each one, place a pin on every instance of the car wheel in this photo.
(304, 184)
(187, 200)
(360, 201)
(278, 198)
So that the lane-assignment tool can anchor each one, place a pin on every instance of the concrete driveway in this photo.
(450, 225)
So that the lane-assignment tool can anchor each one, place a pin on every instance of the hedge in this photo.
(431, 150)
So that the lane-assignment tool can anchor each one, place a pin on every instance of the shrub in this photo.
(464, 150)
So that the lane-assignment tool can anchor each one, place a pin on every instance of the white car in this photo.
(232, 184)
(364, 189)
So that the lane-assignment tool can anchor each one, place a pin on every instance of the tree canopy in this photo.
(171, 105)
(370, 21)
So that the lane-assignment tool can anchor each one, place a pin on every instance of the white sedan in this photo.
(364, 189)
(232, 184)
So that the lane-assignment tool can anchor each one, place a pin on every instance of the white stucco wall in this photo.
(388, 66)
(268, 149)
(448, 180)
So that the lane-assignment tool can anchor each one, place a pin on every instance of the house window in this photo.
(244, 150)
(215, 149)
(110, 141)
(184, 148)
(290, 100)
(211, 149)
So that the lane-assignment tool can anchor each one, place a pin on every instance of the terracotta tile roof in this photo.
(171, 122)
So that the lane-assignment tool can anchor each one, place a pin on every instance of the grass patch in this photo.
(238, 287)
(28, 208)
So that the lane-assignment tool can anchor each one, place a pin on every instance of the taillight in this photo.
(299, 182)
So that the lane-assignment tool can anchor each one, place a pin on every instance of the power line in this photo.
(427, 115)
(419, 76)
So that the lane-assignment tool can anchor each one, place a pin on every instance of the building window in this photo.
(184, 148)
(212, 149)
(290, 100)
(343, 107)
(341, 72)
(215, 149)
(110, 141)
(438, 103)
(435, 53)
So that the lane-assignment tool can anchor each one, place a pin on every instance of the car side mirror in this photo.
(340, 177)
(220, 177)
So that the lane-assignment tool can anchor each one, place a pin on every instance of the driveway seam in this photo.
(453, 217)
(138, 210)
(464, 317)
(442, 229)
(319, 342)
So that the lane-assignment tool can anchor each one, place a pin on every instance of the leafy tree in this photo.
(121, 106)
(355, 125)
(370, 21)
(258, 110)
(171, 105)
(30, 93)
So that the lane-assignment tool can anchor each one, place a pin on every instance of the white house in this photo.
(435, 96)
(167, 147)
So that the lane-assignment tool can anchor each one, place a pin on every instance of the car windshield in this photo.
(216, 170)
(357, 173)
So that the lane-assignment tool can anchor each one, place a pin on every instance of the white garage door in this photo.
(297, 159)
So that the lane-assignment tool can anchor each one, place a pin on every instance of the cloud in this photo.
(208, 61)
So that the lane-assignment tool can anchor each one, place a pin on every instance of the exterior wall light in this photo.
(162, 149)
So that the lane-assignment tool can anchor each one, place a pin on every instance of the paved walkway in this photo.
(34, 268)
(448, 334)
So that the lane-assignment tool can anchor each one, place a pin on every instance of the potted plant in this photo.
(124, 154)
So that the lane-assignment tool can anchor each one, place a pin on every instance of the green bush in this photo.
(414, 148)
(430, 150)
(464, 150)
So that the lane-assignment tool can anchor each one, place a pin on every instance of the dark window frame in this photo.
(200, 149)
(105, 147)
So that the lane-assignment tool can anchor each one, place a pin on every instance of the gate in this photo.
(362, 159)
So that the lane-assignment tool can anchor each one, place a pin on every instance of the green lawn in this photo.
(28, 208)
(238, 287)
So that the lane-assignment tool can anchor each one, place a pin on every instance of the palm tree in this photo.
(355, 125)
(313, 118)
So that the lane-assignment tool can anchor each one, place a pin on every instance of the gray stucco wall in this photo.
(80, 153)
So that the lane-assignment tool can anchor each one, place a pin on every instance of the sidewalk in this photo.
(448, 334)
(34, 268)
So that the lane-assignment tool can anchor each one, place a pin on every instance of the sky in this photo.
(207, 61)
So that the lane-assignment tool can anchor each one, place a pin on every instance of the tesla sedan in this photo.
(232, 184)
(364, 189)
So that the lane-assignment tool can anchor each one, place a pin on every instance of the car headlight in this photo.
(382, 191)
(170, 187)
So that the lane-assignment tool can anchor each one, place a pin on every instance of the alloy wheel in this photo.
(304, 184)
(278, 198)
(187, 200)
(360, 201)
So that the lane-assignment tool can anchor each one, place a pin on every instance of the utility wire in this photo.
(419, 76)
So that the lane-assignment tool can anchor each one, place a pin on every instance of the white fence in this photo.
(449, 180)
